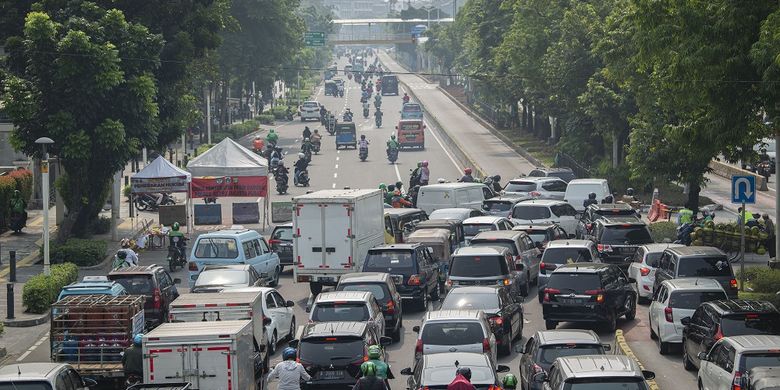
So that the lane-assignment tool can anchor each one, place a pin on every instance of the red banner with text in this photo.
(229, 186)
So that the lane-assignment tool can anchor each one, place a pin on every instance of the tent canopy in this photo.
(228, 158)
(161, 168)
(160, 176)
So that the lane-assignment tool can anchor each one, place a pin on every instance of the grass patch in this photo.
(535, 147)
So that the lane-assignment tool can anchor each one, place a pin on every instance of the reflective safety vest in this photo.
(685, 216)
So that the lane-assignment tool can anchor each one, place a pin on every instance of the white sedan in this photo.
(282, 326)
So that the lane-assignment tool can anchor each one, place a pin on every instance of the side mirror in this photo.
(686, 321)
(416, 329)
(406, 371)
(384, 340)
(293, 343)
(648, 374)
(702, 356)
(177, 281)
(266, 321)
(606, 347)
(502, 368)
(290, 303)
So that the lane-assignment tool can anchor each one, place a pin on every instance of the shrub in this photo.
(765, 281)
(218, 136)
(82, 252)
(24, 182)
(127, 191)
(663, 230)
(41, 291)
(7, 187)
(101, 225)
(2, 327)
(241, 129)
(280, 111)
(265, 119)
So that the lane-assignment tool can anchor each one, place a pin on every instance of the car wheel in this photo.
(272, 344)
(540, 295)
(550, 325)
(275, 279)
(631, 309)
(653, 335)
(663, 348)
(396, 335)
(291, 335)
(687, 364)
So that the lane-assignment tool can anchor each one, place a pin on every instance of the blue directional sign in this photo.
(743, 189)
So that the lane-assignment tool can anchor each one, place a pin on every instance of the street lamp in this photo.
(43, 141)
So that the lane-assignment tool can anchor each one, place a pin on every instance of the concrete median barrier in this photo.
(727, 171)
(622, 348)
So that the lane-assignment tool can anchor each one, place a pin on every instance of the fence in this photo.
(564, 160)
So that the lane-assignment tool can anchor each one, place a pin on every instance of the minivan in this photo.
(578, 189)
(527, 254)
(696, 262)
(449, 195)
(486, 266)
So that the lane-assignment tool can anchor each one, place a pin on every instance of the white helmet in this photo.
(441, 180)
(301, 155)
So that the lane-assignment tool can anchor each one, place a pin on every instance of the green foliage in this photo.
(202, 148)
(7, 187)
(769, 297)
(82, 252)
(663, 230)
(24, 182)
(765, 281)
(101, 225)
(127, 191)
(265, 119)
(40, 291)
(279, 112)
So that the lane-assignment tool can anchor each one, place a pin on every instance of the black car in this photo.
(436, 371)
(618, 238)
(717, 319)
(155, 283)
(595, 212)
(696, 261)
(282, 243)
(381, 285)
(588, 292)
(332, 352)
(565, 174)
(545, 346)
(412, 267)
(504, 313)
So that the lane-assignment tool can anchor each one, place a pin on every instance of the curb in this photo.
(622, 347)
(40, 319)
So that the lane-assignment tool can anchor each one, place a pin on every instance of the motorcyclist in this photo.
(377, 100)
(390, 193)
(272, 137)
(258, 144)
(348, 115)
(181, 242)
(406, 98)
(316, 139)
(462, 380)
(301, 165)
(591, 200)
(132, 358)
(467, 178)
(382, 369)
(392, 144)
(412, 194)
(289, 372)
(378, 115)
(509, 381)
(398, 201)
(425, 173)
(369, 380)
(17, 206)
(383, 187)
(496, 185)
(288, 113)
(306, 132)
(399, 185)
(323, 112)
(366, 109)
(363, 143)
(306, 146)
(127, 254)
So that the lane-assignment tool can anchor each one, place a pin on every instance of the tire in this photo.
(653, 335)
(524, 288)
(631, 313)
(687, 364)
(540, 296)
(396, 335)
(272, 344)
(663, 348)
(141, 206)
(315, 288)
(550, 325)
(291, 335)
(275, 280)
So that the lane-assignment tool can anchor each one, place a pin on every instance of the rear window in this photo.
(216, 248)
(628, 235)
(768, 359)
(498, 206)
(311, 105)
(520, 186)
(478, 266)
(574, 282)
(474, 229)
(452, 333)
(135, 284)
(566, 255)
(222, 277)
(530, 213)
(374, 288)
(537, 235)
(565, 176)
(348, 311)
(692, 299)
(605, 383)
(481, 377)
(703, 266)
(653, 257)
(412, 108)
(751, 324)
(583, 190)
(548, 353)
(461, 301)
(389, 260)
(38, 385)
(331, 349)
(284, 234)
(503, 244)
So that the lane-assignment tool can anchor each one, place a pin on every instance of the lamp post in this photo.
(43, 141)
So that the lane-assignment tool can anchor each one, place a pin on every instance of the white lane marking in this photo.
(337, 158)
(333, 186)
(337, 166)
(338, 152)
(335, 175)
(397, 173)
(33, 347)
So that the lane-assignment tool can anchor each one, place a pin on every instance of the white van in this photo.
(578, 190)
(452, 195)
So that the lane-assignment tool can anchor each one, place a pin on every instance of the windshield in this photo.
(216, 248)
(284, 234)
(478, 266)
(495, 243)
(520, 186)
(630, 235)
(452, 333)
(751, 324)
(548, 353)
(769, 359)
(606, 384)
(574, 282)
(346, 311)
(329, 350)
(412, 108)
(377, 289)
(37, 385)
(135, 284)
(470, 301)
(472, 230)
(530, 213)
(389, 260)
(692, 299)
(566, 255)
(703, 266)
(222, 277)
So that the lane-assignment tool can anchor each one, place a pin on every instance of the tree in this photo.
(88, 84)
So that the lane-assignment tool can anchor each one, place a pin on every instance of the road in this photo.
(337, 169)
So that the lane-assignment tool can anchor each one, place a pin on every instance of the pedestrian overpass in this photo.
(377, 31)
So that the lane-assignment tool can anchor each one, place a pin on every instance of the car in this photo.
(332, 352)
(44, 376)
(458, 213)
(381, 285)
(763, 378)
(617, 239)
(447, 331)
(596, 372)
(541, 350)
(485, 266)
(717, 319)
(348, 306)
(92, 285)
(504, 313)
(152, 281)
(310, 109)
(216, 278)
(563, 252)
(542, 233)
(643, 266)
(564, 174)
(696, 261)
(577, 192)
(675, 300)
(281, 242)
(501, 206)
(432, 197)
(536, 187)
(412, 267)
(475, 225)
(731, 358)
(595, 212)
(411, 111)
(588, 292)
(546, 211)
(454, 226)
(526, 254)
(437, 371)
(280, 311)
(236, 245)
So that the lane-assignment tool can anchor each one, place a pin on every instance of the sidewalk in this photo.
(27, 243)
(719, 190)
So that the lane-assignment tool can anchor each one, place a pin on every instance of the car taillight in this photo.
(485, 346)
(604, 248)
(274, 242)
(719, 333)
(157, 297)
(737, 383)
(535, 194)
(598, 294)
(644, 271)
(414, 280)
(192, 266)
(668, 314)
(419, 347)
(548, 292)
(733, 283)
(494, 387)
(497, 320)
(390, 307)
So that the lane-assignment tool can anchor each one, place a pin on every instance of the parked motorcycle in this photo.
(176, 253)
(301, 179)
(392, 155)
(148, 202)
(363, 154)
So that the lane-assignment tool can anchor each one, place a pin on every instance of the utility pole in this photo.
(208, 115)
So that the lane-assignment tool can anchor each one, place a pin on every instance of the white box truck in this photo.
(332, 233)
(210, 355)
(227, 306)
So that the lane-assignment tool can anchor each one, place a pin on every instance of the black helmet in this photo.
(630, 191)
(465, 371)
(121, 254)
(592, 195)
(497, 177)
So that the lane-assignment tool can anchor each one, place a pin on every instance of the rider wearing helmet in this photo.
(509, 381)
(398, 201)
(257, 144)
(302, 164)
(425, 173)
(383, 187)
(390, 193)
(306, 132)
(132, 358)
(467, 178)
(126, 254)
(363, 143)
(369, 379)
(272, 137)
(176, 237)
(591, 200)
(414, 177)
(382, 368)
(289, 372)
(306, 145)
(392, 143)
(496, 185)
(462, 380)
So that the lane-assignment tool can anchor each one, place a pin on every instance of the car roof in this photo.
(570, 243)
(588, 181)
(472, 359)
(567, 336)
(611, 206)
(696, 251)
(692, 284)
(605, 366)
(560, 169)
(581, 268)
(438, 222)
(427, 233)
(357, 277)
(620, 220)
(479, 250)
(507, 198)
(228, 267)
(336, 328)
(453, 315)
(484, 219)
(406, 246)
(659, 247)
(755, 342)
(136, 269)
(446, 186)
(497, 235)
(29, 371)
(735, 306)
(540, 202)
(475, 290)
(534, 226)
(235, 231)
(349, 296)
(535, 179)
(400, 211)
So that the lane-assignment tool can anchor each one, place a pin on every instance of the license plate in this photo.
(331, 374)
(568, 300)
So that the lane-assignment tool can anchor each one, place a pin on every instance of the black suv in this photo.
(413, 268)
(155, 283)
(617, 238)
(281, 242)
(696, 262)
(545, 346)
(588, 292)
(595, 212)
(332, 352)
(717, 319)
(381, 285)
(564, 174)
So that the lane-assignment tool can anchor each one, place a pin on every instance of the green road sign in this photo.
(314, 38)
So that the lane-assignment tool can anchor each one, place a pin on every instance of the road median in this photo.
(622, 348)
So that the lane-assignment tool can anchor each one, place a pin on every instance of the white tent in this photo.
(160, 176)
(228, 158)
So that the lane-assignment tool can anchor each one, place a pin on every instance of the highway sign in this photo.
(314, 38)
(743, 189)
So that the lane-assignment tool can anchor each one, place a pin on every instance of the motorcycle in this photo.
(363, 154)
(301, 178)
(132, 380)
(365, 113)
(378, 121)
(148, 202)
(18, 221)
(377, 103)
(281, 182)
(347, 118)
(392, 155)
(316, 144)
(289, 116)
(176, 253)
(341, 92)
(308, 155)
(274, 164)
